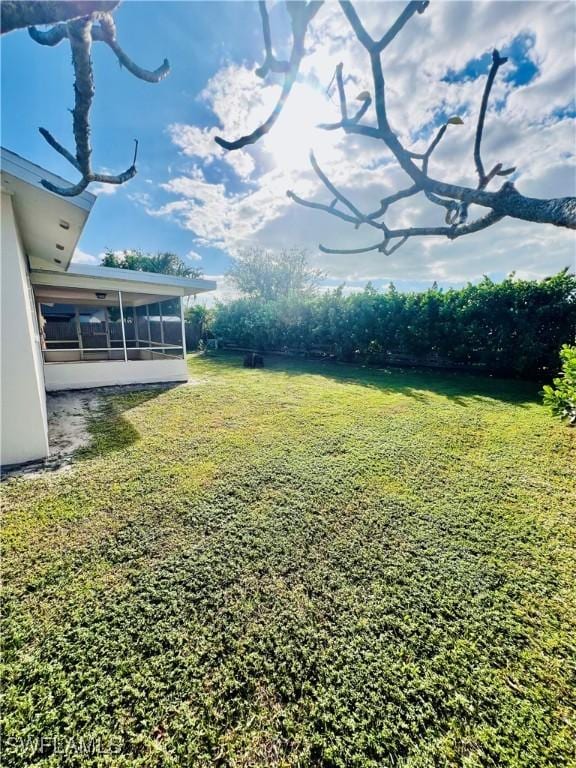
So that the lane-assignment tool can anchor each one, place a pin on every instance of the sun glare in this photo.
(297, 132)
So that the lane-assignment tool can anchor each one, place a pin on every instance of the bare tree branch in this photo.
(399, 244)
(51, 36)
(382, 247)
(451, 233)
(301, 14)
(386, 202)
(507, 201)
(335, 192)
(350, 251)
(349, 123)
(106, 32)
(341, 93)
(454, 198)
(356, 24)
(497, 62)
(78, 32)
(331, 209)
(81, 33)
(362, 130)
(80, 45)
(344, 121)
(59, 148)
(17, 14)
(453, 208)
(271, 63)
(417, 6)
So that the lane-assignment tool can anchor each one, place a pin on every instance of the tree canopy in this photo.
(270, 275)
(165, 263)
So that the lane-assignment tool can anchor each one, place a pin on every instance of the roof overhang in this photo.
(50, 225)
(137, 287)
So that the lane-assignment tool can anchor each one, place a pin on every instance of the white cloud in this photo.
(81, 257)
(99, 189)
(141, 198)
(193, 256)
(527, 132)
(199, 143)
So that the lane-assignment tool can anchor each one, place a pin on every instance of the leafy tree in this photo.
(270, 276)
(160, 263)
(197, 313)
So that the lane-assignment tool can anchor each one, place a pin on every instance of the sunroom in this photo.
(101, 326)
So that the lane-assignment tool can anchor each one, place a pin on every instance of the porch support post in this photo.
(108, 336)
(183, 327)
(78, 331)
(161, 323)
(41, 328)
(148, 324)
(136, 336)
(122, 326)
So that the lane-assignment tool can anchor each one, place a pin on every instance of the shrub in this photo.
(511, 328)
(561, 397)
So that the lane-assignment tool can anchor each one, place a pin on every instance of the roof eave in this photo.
(93, 278)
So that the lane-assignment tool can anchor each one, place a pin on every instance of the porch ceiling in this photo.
(46, 294)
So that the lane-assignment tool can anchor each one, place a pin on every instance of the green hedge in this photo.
(515, 327)
(561, 396)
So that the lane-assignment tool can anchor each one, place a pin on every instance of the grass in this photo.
(305, 565)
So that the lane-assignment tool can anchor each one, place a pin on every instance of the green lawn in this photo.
(306, 565)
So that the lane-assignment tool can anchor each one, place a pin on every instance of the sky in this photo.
(194, 199)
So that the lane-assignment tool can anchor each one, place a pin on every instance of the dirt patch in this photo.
(68, 416)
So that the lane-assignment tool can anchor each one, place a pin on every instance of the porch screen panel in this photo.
(172, 327)
(142, 327)
(58, 326)
(155, 324)
(93, 328)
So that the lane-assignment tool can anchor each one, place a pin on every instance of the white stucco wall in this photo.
(24, 430)
(107, 373)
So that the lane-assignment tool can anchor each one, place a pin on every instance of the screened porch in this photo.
(77, 326)
(100, 326)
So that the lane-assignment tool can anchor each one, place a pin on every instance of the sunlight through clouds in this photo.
(429, 76)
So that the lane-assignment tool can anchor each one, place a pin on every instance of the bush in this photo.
(561, 397)
(512, 328)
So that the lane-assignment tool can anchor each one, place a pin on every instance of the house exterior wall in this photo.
(105, 373)
(24, 428)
